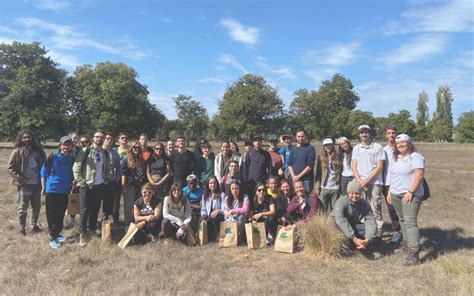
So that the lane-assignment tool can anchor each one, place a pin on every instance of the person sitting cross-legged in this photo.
(147, 214)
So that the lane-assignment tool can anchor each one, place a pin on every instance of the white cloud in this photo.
(209, 80)
(278, 71)
(448, 16)
(337, 55)
(164, 102)
(230, 60)
(367, 85)
(320, 74)
(8, 30)
(415, 50)
(69, 61)
(53, 5)
(240, 32)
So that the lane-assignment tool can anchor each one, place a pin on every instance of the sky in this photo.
(390, 50)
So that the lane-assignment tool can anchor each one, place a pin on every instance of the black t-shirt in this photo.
(158, 167)
(149, 209)
(183, 165)
(264, 206)
(257, 165)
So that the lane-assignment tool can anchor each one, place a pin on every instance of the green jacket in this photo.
(86, 175)
(348, 215)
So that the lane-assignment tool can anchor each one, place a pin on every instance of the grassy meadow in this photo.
(29, 266)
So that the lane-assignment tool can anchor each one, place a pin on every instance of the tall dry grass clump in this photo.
(320, 238)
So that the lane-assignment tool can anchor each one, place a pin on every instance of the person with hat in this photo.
(345, 157)
(257, 165)
(351, 212)
(277, 162)
(301, 161)
(367, 163)
(328, 176)
(406, 194)
(56, 180)
(285, 154)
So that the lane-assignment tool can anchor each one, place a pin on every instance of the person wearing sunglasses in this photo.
(92, 172)
(115, 186)
(147, 215)
(122, 151)
(123, 148)
(85, 141)
(159, 171)
(264, 211)
(133, 177)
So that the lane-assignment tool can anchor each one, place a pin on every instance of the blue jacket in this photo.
(58, 173)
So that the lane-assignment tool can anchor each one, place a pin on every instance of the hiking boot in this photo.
(396, 237)
(412, 258)
(55, 244)
(82, 240)
(402, 248)
(36, 229)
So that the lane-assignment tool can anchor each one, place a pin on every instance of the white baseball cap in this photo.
(342, 139)
(364, 126)
(328, 141)
(402, 137)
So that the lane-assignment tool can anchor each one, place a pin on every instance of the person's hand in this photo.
(295, 178)
(180, 232)
(407, 198)
(257, 216)
(140, 225)
(228, 214)
(389, 197)
(359, 243)
(214, 213)
(363, 184)
(280, 172)
(150, 218)
(43, 191)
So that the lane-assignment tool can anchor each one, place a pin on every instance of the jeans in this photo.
(213, 227)
(270, 224)
(56, 204)
(308, 185)
(151, 228)
(373, 195)
(90, 206)
(408, 214)
(28, 194)
(344, 182)
(329, 197)
(391, 211)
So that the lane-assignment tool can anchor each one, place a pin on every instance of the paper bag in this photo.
(73, 205)
(191, 238)
(228, 235)
(256, 235)
(202, 232)
(284, 241)
(106, 231)
(132, 230)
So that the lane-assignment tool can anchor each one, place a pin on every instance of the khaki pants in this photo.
(28, 194)
(373, 195)
(408, 215)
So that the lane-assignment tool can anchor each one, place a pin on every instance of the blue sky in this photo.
(390, 50)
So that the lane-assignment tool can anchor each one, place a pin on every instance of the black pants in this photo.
(90, 206)
(108, 198)
(56, 204)
(213, 227)
(116, 206)
(270, 224)
(152, 228)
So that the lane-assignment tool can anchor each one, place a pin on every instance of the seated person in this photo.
(283, 200)
(193, 193)
(147, 215)
(264, 211)
(236, 206)
(272, 187)
(176, 214)
(211, 208)
(232, 175)
(301, 207)
(351, 211)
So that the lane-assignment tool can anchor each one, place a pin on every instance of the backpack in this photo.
(426, 190)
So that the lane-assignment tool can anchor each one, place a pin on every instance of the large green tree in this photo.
(358, 118)
(109, 97)
(192, 116)
(325, 112)
(250, 106)
(31, 91)
(401, 121)
(465, 128)
(422, 116)
(443, 117)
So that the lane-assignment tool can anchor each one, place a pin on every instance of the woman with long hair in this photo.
(221, 164)
(272, 187)
(147, 215)
(328, 176)
(264, 210)
(234, 149)
(406, 194)
(176, 214)
(236, 206)
(282, 201)
(302, 206)
(158, 170)
(211, 208)
(133, 177)
(345, 158)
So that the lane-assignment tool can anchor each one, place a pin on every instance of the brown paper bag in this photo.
(191, 238)
(132, 230)
(228, 235)
(284, 241)
(107, 231)
(202, 232)
(256, 235)
(73, 205)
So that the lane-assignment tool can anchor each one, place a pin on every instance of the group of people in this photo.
(168, 190)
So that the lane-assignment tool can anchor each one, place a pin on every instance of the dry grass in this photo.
(29, 266)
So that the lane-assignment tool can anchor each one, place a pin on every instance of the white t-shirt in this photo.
(99, 167)
(346, 167)
(367, 157)
(330, 178)
(402, 173)
(388, 161)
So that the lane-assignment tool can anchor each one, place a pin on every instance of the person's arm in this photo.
(156, 214)
(217, 167)
(246, 164)
(12, 166)
(370, 224)
(136, 215)
(242, 210)
(419, 175)
(148, 175)
(77, 168)
(317, 177)
(270, 212)
(341, 220)
(293, 205)
(168, 215)
(187, 213)
(203, 208)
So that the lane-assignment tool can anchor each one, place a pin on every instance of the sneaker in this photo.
(396, 237)
(270, 240)
(82, 240)
(55, 244)
(412, 258)
(22, 232)
(36, 229)
(61, 239)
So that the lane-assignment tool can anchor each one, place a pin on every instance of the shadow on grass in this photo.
(441, 241)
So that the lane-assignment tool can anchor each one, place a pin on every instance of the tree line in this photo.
(36, 93)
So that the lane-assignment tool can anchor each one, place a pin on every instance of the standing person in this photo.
(328, 176)
(24, 169)
(176, 214)
(222, 161)
(56, 180)
(123, 145)
(257, 165)
(234, 148)
(169, 148)
(75, 148)
(147, 151)
(301, 161)
(147, 215)
(92, 172)
(85, 141)
(114, 187)
(283, 200)
(232, 175)
(367, 164)
(183, 162)
(205, 164)
(211, 208)
(236, 207)
(122, 150)
(390, 135)
(302, 206)
(133, 177)
(285, 154)
(406, 194)
(345, 157)
(247, 146)
(264, 210)
(159, 171)
(198, 146)
(277, 162)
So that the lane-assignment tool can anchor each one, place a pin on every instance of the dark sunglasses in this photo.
(260, 189)
(84, 142)
(136, 147)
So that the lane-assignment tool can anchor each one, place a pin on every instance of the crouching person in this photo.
(301, 207)
(176, 214)
(351, 211)
(147, 215)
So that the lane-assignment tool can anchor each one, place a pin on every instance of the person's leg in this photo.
(108, 199)
(397, 205)
(61, 211)
(169, 229)
(308, 185)
(35, 204)
(216, 224)
(51, 215)
(374, 196)
(410, 214)
(24, 195)
(325, 198)
(343, 185)
(153, 228)
(84, 195)
(97, 192)
(128, 205)
(271, 225)
(116, 205)
(334, 195)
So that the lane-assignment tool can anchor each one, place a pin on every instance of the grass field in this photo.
(29, 266)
